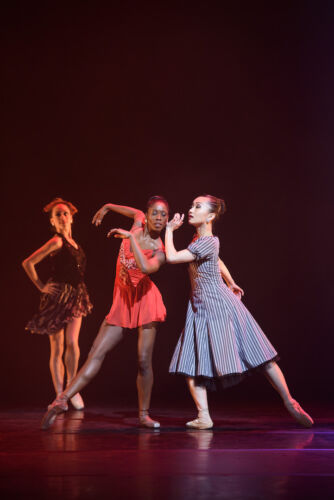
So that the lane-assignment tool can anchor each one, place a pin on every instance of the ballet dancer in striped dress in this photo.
(221, 341)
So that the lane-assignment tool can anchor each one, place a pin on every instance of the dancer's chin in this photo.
(156, 230)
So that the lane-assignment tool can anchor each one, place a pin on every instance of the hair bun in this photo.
(217, 205)
(222, 206)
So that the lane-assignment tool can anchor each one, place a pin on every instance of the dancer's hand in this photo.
(176, 222)
(50, 288)
(237, 290)
(119, 233)
(98, 217)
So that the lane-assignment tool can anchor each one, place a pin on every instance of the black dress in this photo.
(71, 299)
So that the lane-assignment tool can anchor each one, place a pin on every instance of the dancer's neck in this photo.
(67, 234)
(204, 230)
(151, 234)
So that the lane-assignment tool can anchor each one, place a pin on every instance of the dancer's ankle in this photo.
(143, 413)
(203, 411)
(62, 397)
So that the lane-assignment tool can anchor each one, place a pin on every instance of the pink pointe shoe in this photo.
(77, 402)
(146, 421)
(203, 421)
(297, 412)
(58, 406)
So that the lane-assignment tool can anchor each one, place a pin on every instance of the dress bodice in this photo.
(205, 268)
(68, 264)
(127, 270)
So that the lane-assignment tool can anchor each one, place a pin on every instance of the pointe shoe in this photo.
(60, 401)
(203, 421)
(146, 421)
(58, 406)
(77, 402)
(297, 412)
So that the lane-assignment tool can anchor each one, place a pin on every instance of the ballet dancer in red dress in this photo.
(137, 303)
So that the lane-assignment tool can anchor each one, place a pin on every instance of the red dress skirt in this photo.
(136, 301)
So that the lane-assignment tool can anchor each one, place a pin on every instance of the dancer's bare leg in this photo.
(200, 397)
(56, 360)
(71, 358)
(146, 339)
(107, 338)
(275, 376)
(198, 393)
(72, 351)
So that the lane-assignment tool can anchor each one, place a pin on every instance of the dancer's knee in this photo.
(144, 364)
(269, 366)
(92, 366)
(72, 348)
(56, 345)
(57, 352)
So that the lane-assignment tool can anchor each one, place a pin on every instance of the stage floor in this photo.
(101, 453)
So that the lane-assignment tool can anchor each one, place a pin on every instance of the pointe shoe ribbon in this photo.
(61, 402)
(146, 421)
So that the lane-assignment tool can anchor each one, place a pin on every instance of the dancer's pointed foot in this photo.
(146, 421)
(58, 406)
(203, 421)
(77, 402)
(297, 412)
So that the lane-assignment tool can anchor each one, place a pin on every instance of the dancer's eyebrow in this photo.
(163, 211)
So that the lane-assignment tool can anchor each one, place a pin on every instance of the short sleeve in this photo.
(203, 248)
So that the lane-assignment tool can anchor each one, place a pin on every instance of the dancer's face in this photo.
(157, 216)
(199, 212)
(61, 218)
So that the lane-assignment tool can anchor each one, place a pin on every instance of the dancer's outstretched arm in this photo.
(173, 256)
(133, 213)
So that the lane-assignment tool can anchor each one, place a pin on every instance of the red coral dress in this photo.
(136, 301)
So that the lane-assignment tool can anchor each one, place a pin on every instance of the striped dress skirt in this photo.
(221, 340)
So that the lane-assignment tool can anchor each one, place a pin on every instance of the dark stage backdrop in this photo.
(116, 104)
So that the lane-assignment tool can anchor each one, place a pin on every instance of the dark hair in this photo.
(216, 205)
(57, 201)
(155, 199)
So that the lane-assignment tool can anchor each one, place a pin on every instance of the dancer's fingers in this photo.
(111, 232)
(96, 220)
(118, 233)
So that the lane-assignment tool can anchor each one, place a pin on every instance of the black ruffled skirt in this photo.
(55, 311)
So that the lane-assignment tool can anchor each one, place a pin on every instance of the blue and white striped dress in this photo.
(221, 339)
